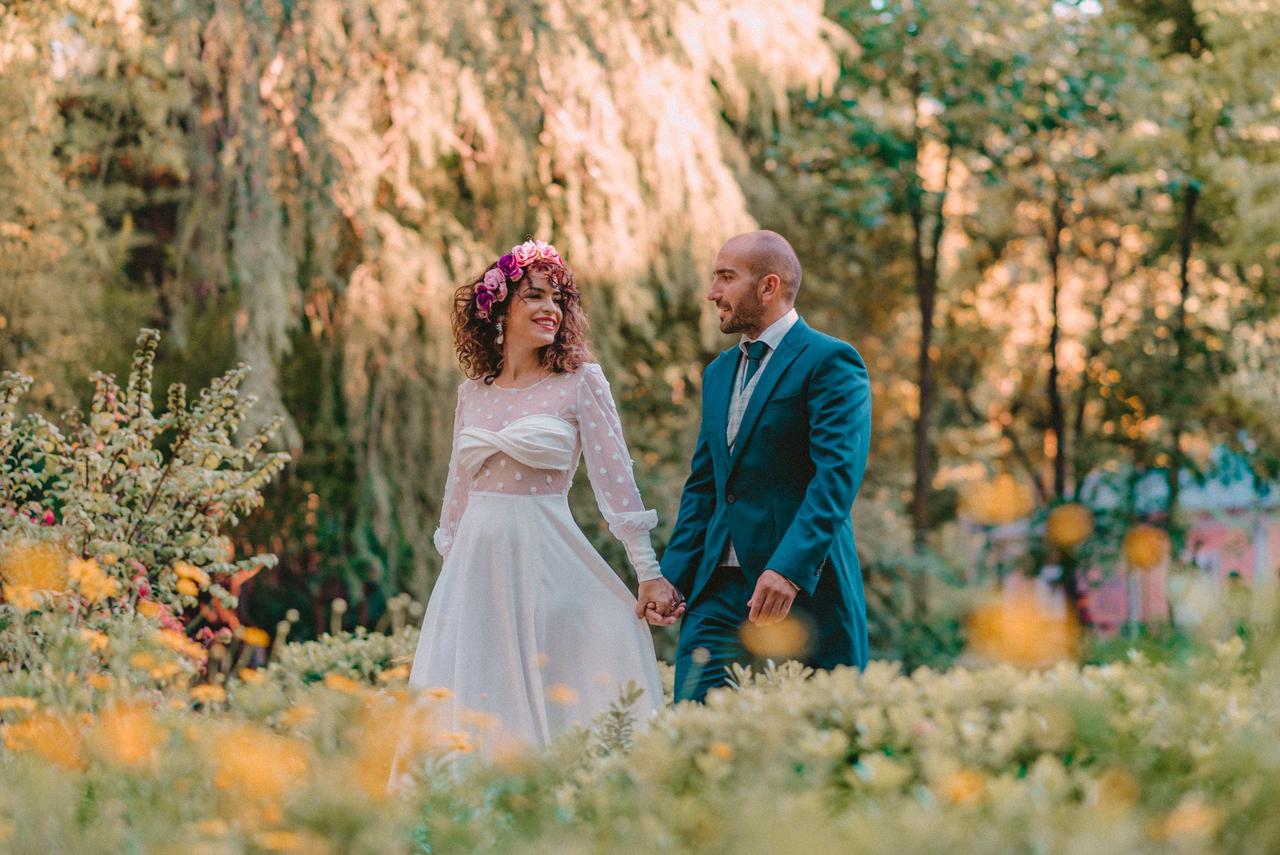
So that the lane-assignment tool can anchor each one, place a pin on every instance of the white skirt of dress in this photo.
(529, 628)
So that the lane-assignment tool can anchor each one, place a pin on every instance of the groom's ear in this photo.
(770, 286)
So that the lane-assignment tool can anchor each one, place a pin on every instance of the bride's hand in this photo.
(656, 618)
(658, 602)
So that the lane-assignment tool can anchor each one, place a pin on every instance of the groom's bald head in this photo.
(764, 252)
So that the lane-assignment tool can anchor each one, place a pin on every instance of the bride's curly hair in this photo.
(475, 336)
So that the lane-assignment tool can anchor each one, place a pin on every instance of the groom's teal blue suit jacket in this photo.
(785, 491)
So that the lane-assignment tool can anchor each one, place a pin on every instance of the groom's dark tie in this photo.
(755, 353)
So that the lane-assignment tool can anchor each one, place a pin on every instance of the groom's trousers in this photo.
(711, 634)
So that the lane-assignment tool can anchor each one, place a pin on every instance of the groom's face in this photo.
(735, 292)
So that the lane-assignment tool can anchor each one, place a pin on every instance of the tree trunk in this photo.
(1057, 412)
(1186, 235)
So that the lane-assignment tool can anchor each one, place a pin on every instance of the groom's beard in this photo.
(744, 316)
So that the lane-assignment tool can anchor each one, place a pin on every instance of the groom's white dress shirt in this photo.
(772, 336)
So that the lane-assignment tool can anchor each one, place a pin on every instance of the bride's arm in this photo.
(609, 468)
(456, 488)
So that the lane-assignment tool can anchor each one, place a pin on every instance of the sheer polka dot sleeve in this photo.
(456, 488)
(609, 467)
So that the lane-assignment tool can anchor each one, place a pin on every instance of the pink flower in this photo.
(484, 302)
(48, 517)
(496, 283)
(510, 267)
(525, 254)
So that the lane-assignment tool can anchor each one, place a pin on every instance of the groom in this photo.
(764, 530)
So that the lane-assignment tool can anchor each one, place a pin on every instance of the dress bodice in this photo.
(528, 442)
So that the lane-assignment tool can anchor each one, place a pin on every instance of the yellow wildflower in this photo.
(23, 597)
(98, 681)
(98, 641)
(255, 637)
(1068, 526)
(787, 639)
(127, 735)
(298, 716)
(1145, 546)
(456, 740)
(142, 661)
(54, 738)
(394, 675)
(257, 764)
(12, 702)
(1191, 818)
(252, 676)
(477, 720)
(720, 750)
(94, 585)
(209, 693)
(438, 693)
(179, 643)
(186, 570)
(166, 671)
(150, 609)
(963, 787)
(1023, 631)
(342, 683)
(561, 694)
(187, 588)
(36, 565)
(212, 827)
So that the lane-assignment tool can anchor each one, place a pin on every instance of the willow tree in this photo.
(343, 164)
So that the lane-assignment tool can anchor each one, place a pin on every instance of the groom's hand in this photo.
(772, 599)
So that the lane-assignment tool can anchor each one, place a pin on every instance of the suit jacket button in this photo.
(731, 498)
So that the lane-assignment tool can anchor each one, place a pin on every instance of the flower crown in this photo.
(510, 268)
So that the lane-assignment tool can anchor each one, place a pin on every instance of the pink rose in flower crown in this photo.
(484, 302)
(525, 253)
(510, 267)
(496, 283)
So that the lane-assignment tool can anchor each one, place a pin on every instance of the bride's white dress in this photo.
(528, 627)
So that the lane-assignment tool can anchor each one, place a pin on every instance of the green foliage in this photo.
(139, 491)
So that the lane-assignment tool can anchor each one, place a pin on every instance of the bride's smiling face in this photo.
(537, 310)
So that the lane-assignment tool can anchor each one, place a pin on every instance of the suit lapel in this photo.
(788, 349)
(718, 390)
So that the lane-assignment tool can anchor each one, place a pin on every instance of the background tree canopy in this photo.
(1050, 230)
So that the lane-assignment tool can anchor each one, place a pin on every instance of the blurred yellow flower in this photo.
(209, 693)
(394, 675)
(298, 716)
(720, 750)
(165, 671)
(787, 639)
(94, 585)
(1191, 818)
(187, 588)
(150, 609)
(18, 702)
(998, 501)
(252, 676)
(1068, 526)
(478, 720)
(185, 570)
(1145, 546)
(7, 829)
(55, 738)
(23, 597)
(98, 641)
(36, 565)
(212, 827)
(281, 841)
(255, 637)
(561, 694)
(179, 643)
(142, 661)
(256, 763)
(343, 683)
(438, 693)
(127, 735)
(1021, 630)
(963, 786)
(1117, 789)
(456, 740)
(98, 681)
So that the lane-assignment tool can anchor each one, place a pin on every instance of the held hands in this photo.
(658, 602)
(772, 599)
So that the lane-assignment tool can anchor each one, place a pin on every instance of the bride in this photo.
(528, 628)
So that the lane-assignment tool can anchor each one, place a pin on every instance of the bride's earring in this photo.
(500, 337)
